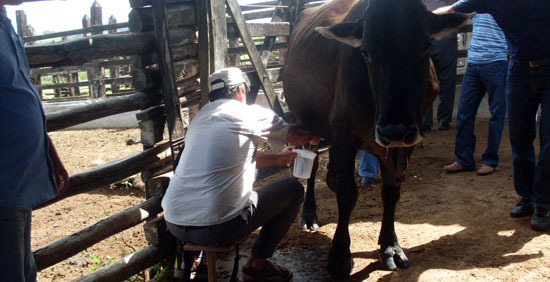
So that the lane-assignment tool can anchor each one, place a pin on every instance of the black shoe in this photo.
(541, 219)
(444, 127)
(426, 128)
(522, 209)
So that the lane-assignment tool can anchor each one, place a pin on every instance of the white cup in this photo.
(303, 164)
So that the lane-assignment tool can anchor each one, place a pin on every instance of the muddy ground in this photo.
(451, 226)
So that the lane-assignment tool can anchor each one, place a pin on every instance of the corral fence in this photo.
(171, 47)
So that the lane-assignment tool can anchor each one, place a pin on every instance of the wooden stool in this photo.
(210, 257)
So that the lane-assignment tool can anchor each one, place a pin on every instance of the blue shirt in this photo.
(26, 171)
(525, 23)
(488, 43)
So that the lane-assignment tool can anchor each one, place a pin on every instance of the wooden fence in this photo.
(169, 69)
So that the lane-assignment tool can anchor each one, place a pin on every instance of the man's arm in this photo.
(60, 173)
(444, 10)
(285, 157)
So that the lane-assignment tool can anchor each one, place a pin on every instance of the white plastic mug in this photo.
(303, 164)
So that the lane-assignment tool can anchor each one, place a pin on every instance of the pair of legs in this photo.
(16, 260)
(478, 79)
(444, 54)
(278, 205)
(527, 88)
(368, 167)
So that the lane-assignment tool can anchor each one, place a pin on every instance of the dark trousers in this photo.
(278, 205)
(526, 89)
(16, 260)
(444, 54)
(478, 79)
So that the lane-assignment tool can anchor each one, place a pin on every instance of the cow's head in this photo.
(394, 37)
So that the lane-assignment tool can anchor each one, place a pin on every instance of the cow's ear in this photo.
(445, 24)
(348, 33)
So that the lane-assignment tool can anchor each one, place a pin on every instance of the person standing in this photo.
(31, 172)
(526, 25)
(444, 54)
(486, 72)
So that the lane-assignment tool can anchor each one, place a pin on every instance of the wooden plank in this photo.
(80, 51)
(103, 175)
(120, 80)
(93, 29)
(204, 49)
(179, 53)
(141, 19)
(144, 79)
(219, 34)
(80, 240)
(274, 74)
(246, 37)
(261, 29)
(259, 5)
(100, 108)
(176, 131)
(142, 3)
(242, 50)
(124, 268)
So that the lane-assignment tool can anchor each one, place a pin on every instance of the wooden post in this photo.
(86, 23)
(75, 78)
(55, 80)
(114, 71)
(219, 34)
(234, 60)
(21, 19)
(96, 15)
(204, 46)
(70, 80)
(176, 131)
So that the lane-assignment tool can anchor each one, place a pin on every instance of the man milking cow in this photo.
(210, 200)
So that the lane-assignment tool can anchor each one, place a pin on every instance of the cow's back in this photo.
(312, 64)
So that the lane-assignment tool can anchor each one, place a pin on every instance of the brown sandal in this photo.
(271, 273)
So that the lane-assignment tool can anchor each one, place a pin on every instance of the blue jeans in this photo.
(369, 165)
(478, 79)
(16, 260)
(526, 89)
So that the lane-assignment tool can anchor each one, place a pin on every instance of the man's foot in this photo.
(485, 169)
(270, 272)
(366, 181)
(444, 127)
(522, 209)
(541, 219)
(426, 128)
(456, 167)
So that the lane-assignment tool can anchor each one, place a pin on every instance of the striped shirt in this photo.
(213, 181)
(488, 42)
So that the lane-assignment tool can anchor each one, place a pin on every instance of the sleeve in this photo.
(270, 127)
(468, 6)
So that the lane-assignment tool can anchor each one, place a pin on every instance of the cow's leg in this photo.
(342, 161)
(391, 254)
(309, 209)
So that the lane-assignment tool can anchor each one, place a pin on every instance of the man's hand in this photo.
(298, 136)
(60, 173)
(285, 157)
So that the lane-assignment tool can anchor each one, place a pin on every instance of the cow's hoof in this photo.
(308, 222)
(339, 266)
(393, 257)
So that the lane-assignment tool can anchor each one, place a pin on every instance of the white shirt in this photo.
(213, 181)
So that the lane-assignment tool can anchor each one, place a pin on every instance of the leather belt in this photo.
(532, 64)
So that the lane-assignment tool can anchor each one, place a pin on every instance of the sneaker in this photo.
(522, 209)
(366, 181)
(541, 219)
(456, 167)
(485, 169)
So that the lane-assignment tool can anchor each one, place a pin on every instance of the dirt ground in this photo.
(451, 226)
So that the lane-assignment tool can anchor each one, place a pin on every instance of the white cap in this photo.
(228, 77)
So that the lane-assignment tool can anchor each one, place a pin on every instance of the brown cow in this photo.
(358, 74)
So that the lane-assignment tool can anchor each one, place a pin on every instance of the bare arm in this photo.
(285, 157)
(444, 10)
(60, 173)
